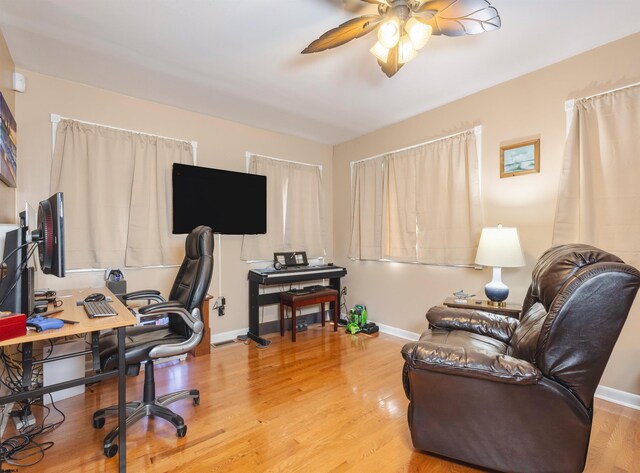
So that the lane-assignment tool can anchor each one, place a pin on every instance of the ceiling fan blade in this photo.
(391, 66)
(460, 17)
(376, 2)
(352, 6)
(344, 33)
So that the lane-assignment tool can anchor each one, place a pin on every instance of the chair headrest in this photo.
(558, 264)
(199, 242)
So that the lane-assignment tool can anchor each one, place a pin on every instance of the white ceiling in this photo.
(240, 59)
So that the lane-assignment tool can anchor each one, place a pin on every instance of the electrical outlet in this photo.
(221, 305)
(345, 290)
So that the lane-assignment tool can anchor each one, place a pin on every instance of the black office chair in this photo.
(147, 343)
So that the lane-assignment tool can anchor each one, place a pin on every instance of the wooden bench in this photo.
(295, 301)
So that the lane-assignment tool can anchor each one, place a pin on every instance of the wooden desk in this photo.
(512, 310)
(85, 325)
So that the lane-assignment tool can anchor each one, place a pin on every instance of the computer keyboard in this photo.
(98, 309)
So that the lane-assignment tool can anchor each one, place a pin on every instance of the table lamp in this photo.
(499, 247)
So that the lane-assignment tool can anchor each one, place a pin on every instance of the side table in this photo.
(512, 310)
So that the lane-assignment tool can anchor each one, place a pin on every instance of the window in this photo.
(117, 192)
(420, 204)
(294, 209)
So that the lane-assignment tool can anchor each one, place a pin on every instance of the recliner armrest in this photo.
(471, 363)
(499, 327)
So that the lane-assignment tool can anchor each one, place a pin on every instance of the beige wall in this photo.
(7, 194)
(529, 106)
(395, 294)
(221, 144)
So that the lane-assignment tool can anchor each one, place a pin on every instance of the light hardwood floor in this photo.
(330, 402)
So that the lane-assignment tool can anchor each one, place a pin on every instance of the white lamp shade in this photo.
(406, 51)
(418, 32)
(389, 32)
(379, 51)
(500, 246)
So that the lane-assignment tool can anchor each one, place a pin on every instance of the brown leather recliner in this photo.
(517, 395)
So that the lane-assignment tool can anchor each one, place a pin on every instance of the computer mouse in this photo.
(95, 297)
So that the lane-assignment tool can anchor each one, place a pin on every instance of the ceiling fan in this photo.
(405, 26)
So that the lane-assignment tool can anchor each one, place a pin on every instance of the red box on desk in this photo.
(12, 326)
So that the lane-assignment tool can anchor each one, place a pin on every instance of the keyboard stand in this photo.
(258, 278)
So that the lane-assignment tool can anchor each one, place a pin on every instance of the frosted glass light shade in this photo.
(406, 51)
(389, 32)
(500, 246)
(379, 51)
(418, 32)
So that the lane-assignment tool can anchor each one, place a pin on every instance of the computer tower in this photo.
(16, 285)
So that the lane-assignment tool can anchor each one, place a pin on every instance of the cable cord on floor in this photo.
(23, 449)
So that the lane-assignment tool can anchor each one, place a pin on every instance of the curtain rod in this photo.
(477, 131)
(56, 119)
(568, 105)
(248, 154)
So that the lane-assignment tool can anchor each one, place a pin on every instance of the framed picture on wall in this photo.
(520, 158)
(7, 145)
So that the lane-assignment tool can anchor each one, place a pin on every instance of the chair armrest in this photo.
(470, 363)
(158, 308)
(496, 326)
(145, 294)
(193, 320)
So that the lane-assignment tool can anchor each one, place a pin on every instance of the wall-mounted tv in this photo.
(231, 203)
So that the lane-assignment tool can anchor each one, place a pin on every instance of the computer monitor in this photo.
(49, 235)
(17, 282)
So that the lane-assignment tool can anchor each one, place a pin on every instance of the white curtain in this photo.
(421, 204)
(367, 203)
(117, 190)
(294, 210)
(599, 195)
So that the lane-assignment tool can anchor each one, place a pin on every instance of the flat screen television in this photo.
(231, 203)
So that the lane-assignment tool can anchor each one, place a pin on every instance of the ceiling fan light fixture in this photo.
(389, 32)
(379, 51)
(405, 26)
(418, 32)
(406, 51)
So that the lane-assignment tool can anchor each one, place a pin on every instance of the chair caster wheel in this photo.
(98, 423)
(111, 451)
(182, 431)
(196, 401)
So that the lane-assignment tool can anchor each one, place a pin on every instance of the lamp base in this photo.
(497, 291)
(497, 304)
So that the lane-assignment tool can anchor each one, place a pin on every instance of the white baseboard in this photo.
(226, 336)
(398, 332)
(618, 397)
